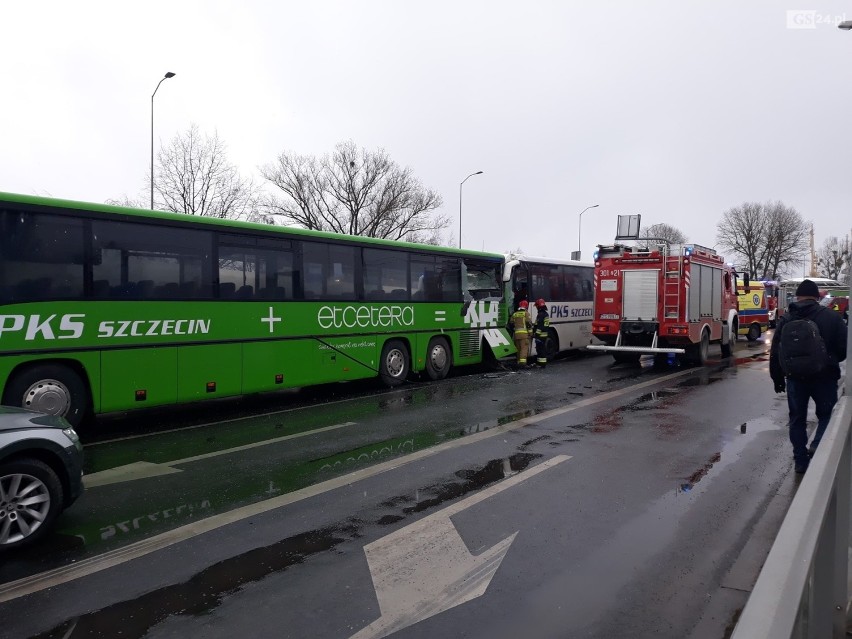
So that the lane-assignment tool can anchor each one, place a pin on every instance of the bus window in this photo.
(520, 285)
(449, 274)
(140, 261)
(256, 273)
(546, 281)
(579, 286)
(435, 279)
(329, 271)
(385, 275)
(481, 279)
(41, 256)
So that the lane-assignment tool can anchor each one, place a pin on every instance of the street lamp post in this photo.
(580, 230)
(846, 25)
(460, 201)
(168, 75)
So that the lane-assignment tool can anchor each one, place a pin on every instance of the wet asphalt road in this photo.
(584, 500)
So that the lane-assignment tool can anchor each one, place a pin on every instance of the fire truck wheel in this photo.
(728, 349)
(698, 354)
(753, 333)
(626, 358)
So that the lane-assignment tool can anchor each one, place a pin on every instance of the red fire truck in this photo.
(662, 299)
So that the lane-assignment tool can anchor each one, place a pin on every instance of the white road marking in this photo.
(51, 578)
(425, 568)
(141, 470)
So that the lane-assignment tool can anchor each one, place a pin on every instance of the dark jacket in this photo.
(831, 327)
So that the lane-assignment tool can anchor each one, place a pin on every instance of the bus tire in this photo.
(753, 333)
(53, 389)
(439, 359)
(551, 345)
(395, 363)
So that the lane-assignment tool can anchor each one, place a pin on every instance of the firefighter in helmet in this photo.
(522, 325)
(542, 323)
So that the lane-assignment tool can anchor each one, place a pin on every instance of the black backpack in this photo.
(802, 351)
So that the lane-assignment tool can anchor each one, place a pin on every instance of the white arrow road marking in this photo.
(426, 568)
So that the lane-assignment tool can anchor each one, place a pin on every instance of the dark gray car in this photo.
(41, 473)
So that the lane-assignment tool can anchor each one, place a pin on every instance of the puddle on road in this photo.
(209, 588)
(730, 451)
(613, 563)
(203, 592)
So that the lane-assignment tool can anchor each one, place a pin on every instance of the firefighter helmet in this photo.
(540, 303)
(523, 304)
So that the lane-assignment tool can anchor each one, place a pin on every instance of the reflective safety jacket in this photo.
(521, 322)
(542, 322)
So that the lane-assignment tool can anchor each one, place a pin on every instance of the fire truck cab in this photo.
(663, 298)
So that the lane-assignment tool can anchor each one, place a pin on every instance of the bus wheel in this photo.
(394, 364)
(438, 358)
(50, 389)
(753, 333)
(551, 345)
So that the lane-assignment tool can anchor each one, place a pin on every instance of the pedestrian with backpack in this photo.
(807, 347)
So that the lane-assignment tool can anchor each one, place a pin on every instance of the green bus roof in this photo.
(234, 225)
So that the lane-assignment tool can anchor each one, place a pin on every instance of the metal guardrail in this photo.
(802, 590)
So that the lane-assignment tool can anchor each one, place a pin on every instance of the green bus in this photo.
(107, 308)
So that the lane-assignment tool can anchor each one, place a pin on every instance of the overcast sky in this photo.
(675, 110)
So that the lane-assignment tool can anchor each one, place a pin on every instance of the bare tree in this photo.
(787, 243)
(127, 202)
(195, 177)
(663, 231)
(766, 238)
(832, 256)
(356, 192)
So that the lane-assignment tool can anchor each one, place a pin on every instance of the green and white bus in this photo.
(107, 308)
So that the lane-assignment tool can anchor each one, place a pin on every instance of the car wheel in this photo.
(394, 365)
(438, 358)
(51, 389)
(30, 499)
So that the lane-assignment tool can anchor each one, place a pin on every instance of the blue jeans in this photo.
(799, 393)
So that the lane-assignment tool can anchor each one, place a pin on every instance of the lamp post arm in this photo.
(460, 202)
(580, 227)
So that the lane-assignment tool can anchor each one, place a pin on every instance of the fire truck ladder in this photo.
(672, 285)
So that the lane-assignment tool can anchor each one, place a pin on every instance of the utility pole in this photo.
(814, 271)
